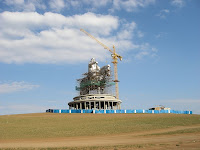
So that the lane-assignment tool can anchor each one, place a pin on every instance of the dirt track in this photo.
(186, 140)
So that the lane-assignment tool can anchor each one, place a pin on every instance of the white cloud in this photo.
(127, 30)
(131, 5)
(95, 3)
(145, 50)
(54, 38)
(25, 5)
(14, 2)
(57, 5)
(51, 38)
(92, 5)
(178, 3)
(163, 13)
(15, 87)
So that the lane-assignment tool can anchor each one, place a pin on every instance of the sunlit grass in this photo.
(47, 125)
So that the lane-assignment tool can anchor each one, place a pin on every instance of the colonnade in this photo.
(95, 105)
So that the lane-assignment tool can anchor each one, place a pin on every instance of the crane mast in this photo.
(115, 57)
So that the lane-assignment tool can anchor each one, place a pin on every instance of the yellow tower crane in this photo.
(115, 57)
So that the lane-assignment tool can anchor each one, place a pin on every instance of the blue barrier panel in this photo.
(129, 111)
(139, 111)
(78, 111)
(102, 111)
(176, 111)
(99, 111)
(156, 112)
(88, 111)
(75, 111)
(148, 111)
(65, 111)
(110, 111)
(120, 111)
(56, 111)
(163, 111)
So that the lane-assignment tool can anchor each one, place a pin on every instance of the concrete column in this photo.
(94, 105)
(85, 105)
(89, 105)
(80, 105)
(76, 106)
(104, 107)
(99, 104)
(108, 104)
(112, 106)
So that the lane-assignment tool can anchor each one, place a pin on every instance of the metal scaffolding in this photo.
(96, 81)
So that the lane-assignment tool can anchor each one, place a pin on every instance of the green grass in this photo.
(47, 125)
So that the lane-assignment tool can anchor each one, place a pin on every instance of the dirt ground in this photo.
(146, 139)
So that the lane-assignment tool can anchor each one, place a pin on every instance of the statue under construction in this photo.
(95, 89)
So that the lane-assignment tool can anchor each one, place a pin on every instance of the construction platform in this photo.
(95, 101)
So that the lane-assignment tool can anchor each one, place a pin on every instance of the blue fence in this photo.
(118, 111)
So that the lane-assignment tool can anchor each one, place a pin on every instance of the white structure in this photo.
(93, 89)
(95, 101)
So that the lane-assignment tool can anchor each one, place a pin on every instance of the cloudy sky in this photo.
(43, 51)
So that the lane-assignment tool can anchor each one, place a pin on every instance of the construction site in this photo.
(95, 94)
(96, 84)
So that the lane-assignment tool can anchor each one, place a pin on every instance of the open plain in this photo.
(100, 131)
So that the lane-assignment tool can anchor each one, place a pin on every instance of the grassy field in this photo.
(47, 125)
(99, 131)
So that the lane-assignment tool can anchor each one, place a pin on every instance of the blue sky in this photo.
(43, 51)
